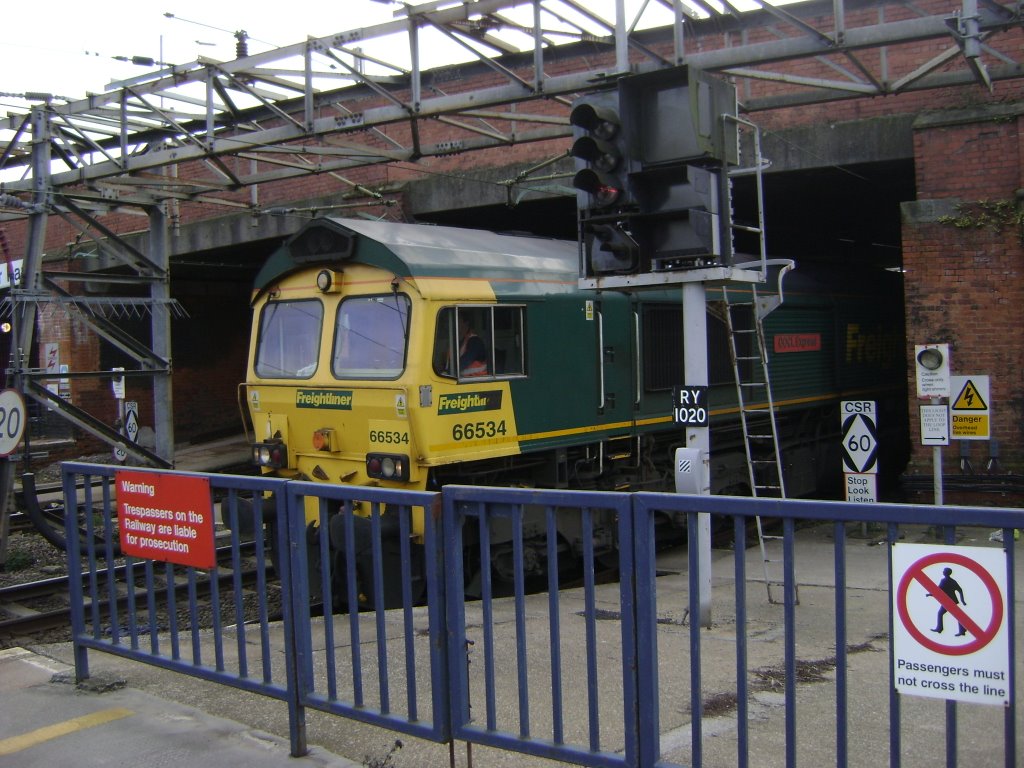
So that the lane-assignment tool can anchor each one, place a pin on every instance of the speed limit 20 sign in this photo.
(12, 420)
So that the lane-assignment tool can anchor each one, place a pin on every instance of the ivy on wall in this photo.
(988, 214)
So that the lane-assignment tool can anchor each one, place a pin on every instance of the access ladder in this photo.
(744, 315)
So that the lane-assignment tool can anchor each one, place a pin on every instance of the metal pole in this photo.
(163, 411)
(24, 298)
(937, 465)
(621, 37)
(695, 371)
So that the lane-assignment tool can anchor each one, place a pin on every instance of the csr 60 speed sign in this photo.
(860, 437)
(860, 450)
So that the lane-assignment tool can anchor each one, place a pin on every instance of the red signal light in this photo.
(602, 192)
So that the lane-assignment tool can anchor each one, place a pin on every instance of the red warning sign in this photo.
(167, 517)
(955, 606)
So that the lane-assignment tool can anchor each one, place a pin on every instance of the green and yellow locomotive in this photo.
(412, 356)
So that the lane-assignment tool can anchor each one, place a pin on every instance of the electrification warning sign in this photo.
(969, 412)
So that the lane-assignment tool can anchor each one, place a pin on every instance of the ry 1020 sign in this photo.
(690, 406)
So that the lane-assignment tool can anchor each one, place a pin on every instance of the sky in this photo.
(62, 48)
(67, 49)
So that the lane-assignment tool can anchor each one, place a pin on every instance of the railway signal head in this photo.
(603, 166)
(611, 249)
(599, 148)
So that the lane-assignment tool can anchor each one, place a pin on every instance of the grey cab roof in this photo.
(522, 264)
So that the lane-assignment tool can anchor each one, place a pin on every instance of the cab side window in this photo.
(473, 342)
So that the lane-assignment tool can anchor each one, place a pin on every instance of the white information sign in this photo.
(949, 629)
(10, 273)
(934, 425)
(861, 488)
(932, 365)
(117, 382)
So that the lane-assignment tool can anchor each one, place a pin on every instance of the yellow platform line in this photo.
(17, 743)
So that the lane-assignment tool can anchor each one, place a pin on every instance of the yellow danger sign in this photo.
(970, 399)
(969, 413)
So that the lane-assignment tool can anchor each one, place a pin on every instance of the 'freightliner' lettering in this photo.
(339, 400)
(469, 401)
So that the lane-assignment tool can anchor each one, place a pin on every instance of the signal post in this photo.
(654, 157)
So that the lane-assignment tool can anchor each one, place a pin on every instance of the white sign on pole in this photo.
(932, 365)
(860, 436)
(934, 424)
(131, 420)
(12, 420)
(52, 354)
(949, 630)
(10, 273)
(862, 489)
(117, 382)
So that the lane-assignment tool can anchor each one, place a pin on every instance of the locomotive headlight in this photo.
(387, 466)
(273, 455)
(328, 281)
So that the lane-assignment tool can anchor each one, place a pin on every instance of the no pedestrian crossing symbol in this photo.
(949, 629)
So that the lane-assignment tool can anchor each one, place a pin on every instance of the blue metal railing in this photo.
(341, 687)
(150, 611)
(498, 520)
(462, 631)
(789, 514)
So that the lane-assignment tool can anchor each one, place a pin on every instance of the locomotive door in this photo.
(617, 371)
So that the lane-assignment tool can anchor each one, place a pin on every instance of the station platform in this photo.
(46, 721)
(213, 455)
(129, 713)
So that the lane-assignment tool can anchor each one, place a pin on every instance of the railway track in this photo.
(39, 610)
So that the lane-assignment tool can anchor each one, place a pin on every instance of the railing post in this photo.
(646, 739)
(434, 540)
(290, 529)
(75, 575)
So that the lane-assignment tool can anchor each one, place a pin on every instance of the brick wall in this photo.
(962, 251)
